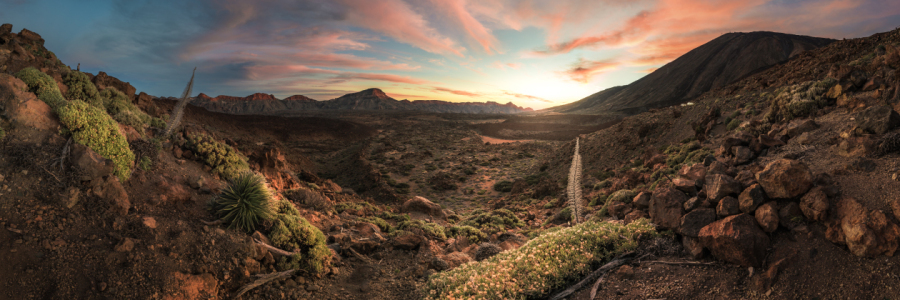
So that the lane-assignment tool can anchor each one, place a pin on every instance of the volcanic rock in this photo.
(785, 179)
(692, 222)
(692, 246)
(667, 207)
(815, 204)
(767, 216)
(751, 198)
(878, 119)
(22, 107)
(790, 215)
(728, 206)
(421, 206)
(736, 239)
(102, 81)
(719, 185)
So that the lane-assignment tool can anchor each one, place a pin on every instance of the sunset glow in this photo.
(533, 53)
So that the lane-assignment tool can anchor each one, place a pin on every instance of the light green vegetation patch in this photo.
(92, 127)
(224, 160)
(361, 206)
(474, 235)
(799, 100)
(493, 221)
(81, 88)
(294, 233)
(435, 231)
(43, 86)
(546, 263)
(383, 225)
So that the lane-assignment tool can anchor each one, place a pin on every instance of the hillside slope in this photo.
(717, 63)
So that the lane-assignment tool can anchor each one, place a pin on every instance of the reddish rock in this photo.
(785, 179)
(130, 133)
(172, 191)
(422, 208)
(619, 209)
(692, 203)
(22, 108)
(798, 127)
(685, 185)
(695, 172)
(5, 28)
(31, 36)
(456, 259)
(736, 239)
(762, 282)
(408, 241)
(790, 215)
(692, 222)
(742, 154)
(728, 206)
(716, 167)
(835, 233)
(642, 200)
(860, 239)
(667, 207)
(719, 185)
(768, 141)
(746, 178)
(751, 198)
(895, 207)
(815, 204)
(274, 166)
(878, 119)
(90, 164)
(457, 244)
(114, 193)
(767, 216)
(126, 245)
(102, 81)
(180, 286)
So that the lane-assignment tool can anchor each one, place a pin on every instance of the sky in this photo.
(534, 53)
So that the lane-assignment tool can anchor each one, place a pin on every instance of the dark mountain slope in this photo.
(717, 63)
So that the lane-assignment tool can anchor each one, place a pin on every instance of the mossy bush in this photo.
(224, 160)
(43, 86)
(433, 230)
(120, 108)
(386, 215)
(624, 196)
(474, 235)
(493, 221)
(733, 124)
(92, 127)
(292, 232)
(545, 264)
(383, 225)
(799, 100)
(81, 88)
(503, 186)
(244, 203)
(361, 207)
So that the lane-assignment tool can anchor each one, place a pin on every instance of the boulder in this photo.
(634, 215)
(719, 185)
(114, 193)
(785, 179)
(728, 206)
(746, 178)
(5, 28)
(692, 246)
(486, 250)
(695, 172)
(409, 241)
(854, 218)
(31, 36)
(667, 207)
(767, 216)
(736, 239)
(642, 200)
(456, 259)
(419, 206)
(90, 164)
(798, 127)
(717, 167)
(815, 204)
(751, 198)
(22, 107)
(692, 203)
(619, 209)
(685, 185)
(692, 222)
(742, 154)
(877, 119)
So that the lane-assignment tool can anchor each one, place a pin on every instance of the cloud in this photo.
(343, 77)
(514, 66)
(474, 28)
(583, 70)
(397, 20)
(527, 97)
(456, 92)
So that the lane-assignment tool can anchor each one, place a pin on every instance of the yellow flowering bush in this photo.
(541, 266)
(224, 160)
(92, 127)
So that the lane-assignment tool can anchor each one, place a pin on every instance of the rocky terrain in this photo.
(780, 185)
(368, 100)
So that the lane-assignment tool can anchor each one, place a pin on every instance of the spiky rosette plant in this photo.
(245, 202)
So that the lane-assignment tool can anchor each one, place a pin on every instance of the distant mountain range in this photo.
(368, 100)
(715, 64)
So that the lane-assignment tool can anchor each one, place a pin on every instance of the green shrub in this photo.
(503, 186)
(93, 128)
(494, 221)
(598, 199)
(474, 235)
(624, 196)
(545, 264)
(364, 207)
(292, 232)
(43, 86)
(115, 101)
(81, 88)
(224, 160)
(392, 216)
(733, 124)
(145, 163)
(433, 230)
(244, 203)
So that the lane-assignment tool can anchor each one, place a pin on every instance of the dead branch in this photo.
(263, 280)
(274, 250)
(618, 261)
(688, 263)
(360, 256)
(51, 174)
(213, 223)
(596, 286)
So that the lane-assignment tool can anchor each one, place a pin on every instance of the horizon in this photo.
(531, 53)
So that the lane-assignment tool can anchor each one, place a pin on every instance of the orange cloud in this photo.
(476, 30)
(456, 92)
(397, 20)
(343, 77)
(528, 97)
(583, 70)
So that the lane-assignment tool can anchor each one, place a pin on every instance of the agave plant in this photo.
(245, 202)
(574, 188)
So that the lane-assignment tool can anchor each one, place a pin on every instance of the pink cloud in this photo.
(456, 92)
(527, 97)
(343, 77)
(583, 70)
(514, 66)
(476, 30)
(397, 20)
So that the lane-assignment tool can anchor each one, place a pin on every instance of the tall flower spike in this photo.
(179, 108)
(574, 188)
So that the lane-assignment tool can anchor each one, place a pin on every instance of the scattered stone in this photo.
(785, 179)
(685, 185)
(742, 154)
(798, 127)
(408, 241)
(751, 198)
(126, 245)
(91, 165)
(715, 167)
(113, 191)
(736, 239)
(767, 216)
(692, 222)
(486, 250)
(762, 282)
(746, 178)
(642, 200)
(182, 286)
(692, 203)
(860, 239)
(815, 204)
(667, 207)
(150, 222)
(895, 207)
(878, 119)
(695, 172)
(719, 185)
(70, 199)
(768, 141)
(728, 206)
